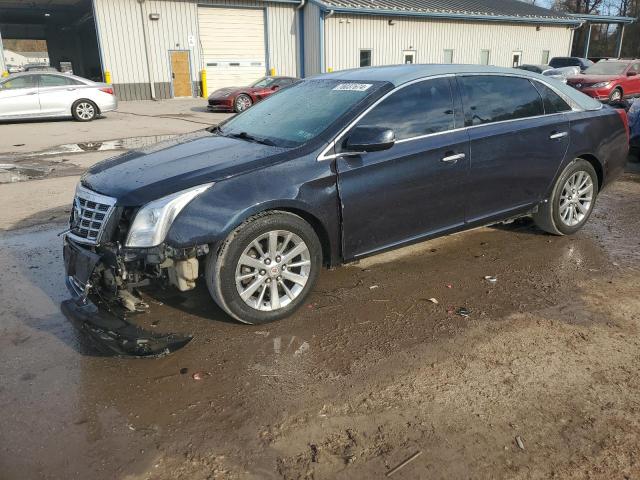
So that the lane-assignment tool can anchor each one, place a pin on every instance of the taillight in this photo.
(625, 121)
(108, 90)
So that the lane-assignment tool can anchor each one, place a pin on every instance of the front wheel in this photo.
(266, 268)
(242, 102)
(572, 200)
(84, 110)
(615, 95)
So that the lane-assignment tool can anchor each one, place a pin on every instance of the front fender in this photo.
(302, 185)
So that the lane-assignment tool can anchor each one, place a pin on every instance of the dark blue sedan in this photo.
(332, 169)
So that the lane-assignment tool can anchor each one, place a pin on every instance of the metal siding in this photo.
(346, 35)
(2, 65)
(312, 62)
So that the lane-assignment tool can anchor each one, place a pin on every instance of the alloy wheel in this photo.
(85, 111)
(273, 270)
(576, 198)
(242, 103)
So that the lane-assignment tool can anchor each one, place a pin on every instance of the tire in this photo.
(615, 95)
(241, 103)
(223, 268)
(84, 110)
(561, 214)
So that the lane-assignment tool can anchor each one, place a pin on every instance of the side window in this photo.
(491, 98)
(28, 81)
(553, 103)
(635, 68)
(55, 81)
(283, 82)
(419, 109)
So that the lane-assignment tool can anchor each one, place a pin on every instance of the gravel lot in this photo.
(539, 381)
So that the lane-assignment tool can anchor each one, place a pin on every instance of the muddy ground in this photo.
(364, 376)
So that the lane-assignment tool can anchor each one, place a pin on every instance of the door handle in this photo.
(71, 89)
(32, 93)
(453, 158)
(557, 135)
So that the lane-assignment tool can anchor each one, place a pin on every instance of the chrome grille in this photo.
(89, 215)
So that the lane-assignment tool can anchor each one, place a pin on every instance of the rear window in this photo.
(564, 62)
(553, 103)
(491, 98)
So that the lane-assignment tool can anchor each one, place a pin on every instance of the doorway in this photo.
(516, 59)
(181, 74)
(409, 57)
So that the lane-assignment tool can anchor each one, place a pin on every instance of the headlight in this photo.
(601, 85)
(152, 222)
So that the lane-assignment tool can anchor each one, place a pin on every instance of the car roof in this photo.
(48, 72)
(400, 74)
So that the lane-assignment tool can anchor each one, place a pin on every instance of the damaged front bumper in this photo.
(101, 319)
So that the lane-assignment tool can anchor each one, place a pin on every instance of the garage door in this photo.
(232, 45)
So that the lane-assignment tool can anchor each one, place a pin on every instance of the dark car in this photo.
(558, 62)
(238, 99)
(330, 170)
(533, 68)
(609, 80)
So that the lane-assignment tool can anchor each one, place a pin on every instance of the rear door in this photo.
(515, 148)
(57, 93)
(414, 189)
(19, 97)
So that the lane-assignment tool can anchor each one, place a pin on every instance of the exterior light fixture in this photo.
(154, 16)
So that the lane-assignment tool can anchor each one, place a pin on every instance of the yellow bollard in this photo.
(203, 81)
(272, 72)
(107, 77)
(329, 69)
(5, 74)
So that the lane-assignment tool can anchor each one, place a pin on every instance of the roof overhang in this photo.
(602, 18)
(470, 17)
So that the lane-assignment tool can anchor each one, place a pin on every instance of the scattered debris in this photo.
(199, 375)
(491, 278)
(373, 287)
(262, 333)
(314, 453)
(433, 300)
(183, 370)
(463, 312)
(449, 285)
(404, 463)
(301, 349)
(520, 443)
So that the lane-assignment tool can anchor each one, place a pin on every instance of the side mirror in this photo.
(275, 87)
(370, 139)
(632, 73)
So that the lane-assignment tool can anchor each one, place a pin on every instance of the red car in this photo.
(609, 80)
(238, 99)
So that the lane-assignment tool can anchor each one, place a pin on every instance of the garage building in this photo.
(158, 48)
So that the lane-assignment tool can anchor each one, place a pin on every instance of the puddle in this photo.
(85, 147)
(10, 173)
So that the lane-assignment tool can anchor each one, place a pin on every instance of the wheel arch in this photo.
(597, 166)
(84, 99)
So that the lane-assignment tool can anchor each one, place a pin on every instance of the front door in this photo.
(19, 97)
(414, 189)
(515, 148)
(57, 94)
(181, 74)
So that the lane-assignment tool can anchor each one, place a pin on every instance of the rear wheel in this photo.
(242, 102)
(266, 268)
(572, 200)
(84, 110)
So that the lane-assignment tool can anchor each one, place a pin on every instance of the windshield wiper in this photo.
(251, 138)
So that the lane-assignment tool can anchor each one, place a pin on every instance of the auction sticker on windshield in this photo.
(354, 87)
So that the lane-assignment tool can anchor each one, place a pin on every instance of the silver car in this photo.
(54, 95)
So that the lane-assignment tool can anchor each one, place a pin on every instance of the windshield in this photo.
(607, 68)
(299, 113)
(264, 82)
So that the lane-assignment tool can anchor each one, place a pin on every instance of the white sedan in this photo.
(54, 95)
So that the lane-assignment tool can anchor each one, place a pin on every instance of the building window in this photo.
(365, 58)
(484, 57)
(448, 56)
(545, 57)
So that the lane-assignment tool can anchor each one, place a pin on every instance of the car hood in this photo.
(140, 176)
(225, 92)
(592, 78)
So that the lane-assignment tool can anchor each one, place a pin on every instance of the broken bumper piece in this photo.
(108, 330)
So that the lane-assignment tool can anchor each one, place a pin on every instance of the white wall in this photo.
(345, 35)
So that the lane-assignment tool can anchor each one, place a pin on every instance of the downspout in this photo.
(323, 15)
(146, 50)
(300, 9)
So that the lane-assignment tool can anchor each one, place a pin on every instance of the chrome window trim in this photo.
(574, 108)
(95, 197)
